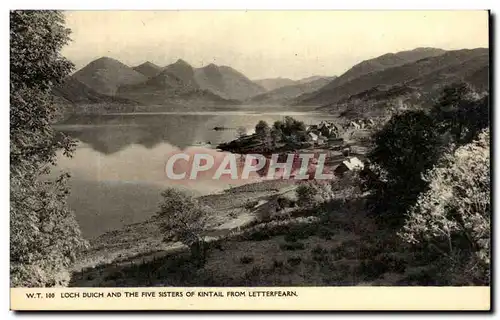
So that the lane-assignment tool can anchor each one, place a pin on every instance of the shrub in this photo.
(412, 142)
(292, 246)
(406, 147)
(258, 235)
(250, 204)
(181, 217)
(325, 233)
(291, 237)
(373, 269)
(293, 261)
(305, 195)
(277, 264)
(319, 253)
(455, 211)
(311, 194)
(246, 259)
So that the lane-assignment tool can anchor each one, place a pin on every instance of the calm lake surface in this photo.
(118, 169)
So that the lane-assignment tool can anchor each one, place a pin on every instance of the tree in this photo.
(183, 219)
(45, 237)
(262, 128)
(453, 216)
(266, 136)
(312, 193)
(462, 112)
(290, 130)
(241, 132)
(407, 146)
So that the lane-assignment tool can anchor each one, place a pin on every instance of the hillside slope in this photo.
(428, 74)
(105, 75)
(76, 92)
(412, 85)
(148, 69)
(274, 83)
(176, 84)
(366, 67)
(388, 60)
(285, 94)
(226, 82)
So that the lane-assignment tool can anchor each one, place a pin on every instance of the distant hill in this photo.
(411, 84)
(105, 75)
(226, 82)
(148, 69)
(285, 94)
(175, 84)
(274, 83)
(387, 60)
(480, 78)
(314, 78)
(76, 92)
(426, 74)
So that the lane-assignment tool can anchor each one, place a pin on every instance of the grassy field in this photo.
(334, 244)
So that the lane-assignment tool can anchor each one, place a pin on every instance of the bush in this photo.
(412, 142)
(277, 264)
(292, 246)
(305, 195)
(311, 194)
(406, 147)
(250, 204)
(319, 253)
(181, 217)
(293, 261)
(246, 259)
(325, 233)
(258, 235)
(455, 211)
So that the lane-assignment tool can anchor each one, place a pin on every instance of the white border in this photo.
(187, 4)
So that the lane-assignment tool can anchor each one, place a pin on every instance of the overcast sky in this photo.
(263, 44)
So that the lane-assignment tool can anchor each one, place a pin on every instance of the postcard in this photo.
(250, 160)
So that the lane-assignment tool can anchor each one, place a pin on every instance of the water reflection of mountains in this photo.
(108, 134)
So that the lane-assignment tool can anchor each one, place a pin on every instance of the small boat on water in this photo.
(222, 128)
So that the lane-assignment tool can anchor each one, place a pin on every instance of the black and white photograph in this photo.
(251, 149)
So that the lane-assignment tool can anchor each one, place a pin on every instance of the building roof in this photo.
(353, 163)
(313, 135)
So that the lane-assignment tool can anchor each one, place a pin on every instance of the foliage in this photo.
(183, 219)
(407, 146)
(453, 216)
(290, 129)
(306, 194)
(313, 193)
(410, 144)
(461, 112)
(246, 259)
(262, 128)
(265, 134)
(45, 237)
(292, 246)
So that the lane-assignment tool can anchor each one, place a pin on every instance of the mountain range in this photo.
(425, 78)
(283, 94)
(107, 80)
(403, 76)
